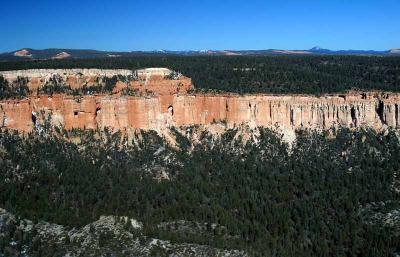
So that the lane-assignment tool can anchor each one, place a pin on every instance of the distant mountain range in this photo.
(54, 53)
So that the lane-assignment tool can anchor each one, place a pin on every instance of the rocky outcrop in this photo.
(107, 236)
(352, 110)
(145, 80)
(61, 55)
(23, 53)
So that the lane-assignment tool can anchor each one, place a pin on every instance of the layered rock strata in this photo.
(116, 112)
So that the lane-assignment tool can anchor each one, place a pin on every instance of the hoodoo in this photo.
(164, 98)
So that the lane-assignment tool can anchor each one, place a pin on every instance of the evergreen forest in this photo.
(320, 196)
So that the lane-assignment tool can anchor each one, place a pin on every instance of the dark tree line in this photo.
(257, 74)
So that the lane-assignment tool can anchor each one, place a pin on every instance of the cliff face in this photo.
(171, 104)
(123, 112)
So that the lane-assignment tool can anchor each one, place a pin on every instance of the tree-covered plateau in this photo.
(256, 74)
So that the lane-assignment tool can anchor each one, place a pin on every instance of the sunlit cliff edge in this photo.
(169, 101)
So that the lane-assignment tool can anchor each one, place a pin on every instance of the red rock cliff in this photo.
(121, 112)
(172, 105)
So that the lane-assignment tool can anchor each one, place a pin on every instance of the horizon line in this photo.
(198, 50)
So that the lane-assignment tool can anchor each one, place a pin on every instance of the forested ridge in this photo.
(256, 74)
(321, 197)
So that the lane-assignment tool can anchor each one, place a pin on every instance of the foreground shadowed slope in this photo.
(328, 195)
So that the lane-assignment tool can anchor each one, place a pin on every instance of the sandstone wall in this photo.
(162, 86)
(118, 112)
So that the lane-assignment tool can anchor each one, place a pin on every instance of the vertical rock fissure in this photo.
(379, 111)
(2, 117)
(33, 116)
(353, 116)
(337, 113)
(116, 118)
(270, 111)
(96, 114)
(291, 117)
(396, 115)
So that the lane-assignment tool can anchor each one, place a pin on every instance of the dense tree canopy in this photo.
(312, 199)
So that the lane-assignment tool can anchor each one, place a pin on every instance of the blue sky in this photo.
(197, 25)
